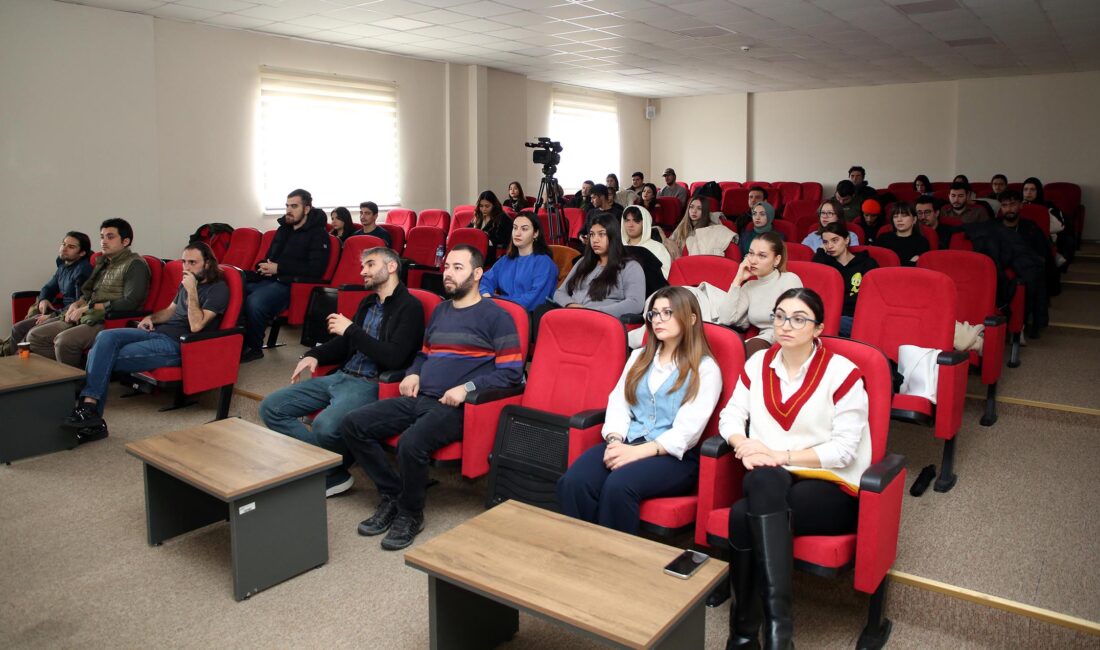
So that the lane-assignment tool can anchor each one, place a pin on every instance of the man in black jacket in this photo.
(298, 253)
(385, 334)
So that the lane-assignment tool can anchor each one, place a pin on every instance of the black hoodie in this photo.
(852, 273)
(302, 254)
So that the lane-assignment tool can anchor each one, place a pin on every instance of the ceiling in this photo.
(668, 48)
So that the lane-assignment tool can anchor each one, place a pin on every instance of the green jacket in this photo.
(121, 283)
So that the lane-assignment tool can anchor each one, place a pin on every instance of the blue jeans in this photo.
(263, 301)
(590, 491)
(126, 350)
(338, 394)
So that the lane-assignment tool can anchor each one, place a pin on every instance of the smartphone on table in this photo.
(686, 564)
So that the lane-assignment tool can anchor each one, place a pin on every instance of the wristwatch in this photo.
(469, 386)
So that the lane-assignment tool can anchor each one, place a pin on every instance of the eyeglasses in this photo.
(826, 214)
(925, 213)
(662, 316)
(797, 321)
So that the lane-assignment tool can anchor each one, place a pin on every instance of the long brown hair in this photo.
(689, 352)
(686, 227)
(779, 249)
(211, 272)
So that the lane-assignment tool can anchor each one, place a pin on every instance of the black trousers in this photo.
(817, 507)
(425, 425)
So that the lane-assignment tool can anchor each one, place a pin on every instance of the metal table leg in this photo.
(460, 619)
(173, 507)
(277, 534)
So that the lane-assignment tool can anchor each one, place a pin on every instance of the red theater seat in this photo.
(811, 191)
(828, 284)
(693, 270)
(436, 218)
(406, 219)
(798, 252)
(882, 256)
(244, 245)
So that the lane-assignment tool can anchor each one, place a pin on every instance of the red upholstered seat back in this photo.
(828, 284)
(473, 236)
(462, 219)
(575, 218)
(906, 306)
(725, 185)
(858, 230)
(902, 191)
(811, 191)
(169, 285)
(877, 381)
(693, 270)
(261, 251)
(244, 245)
(235, 281)
(670, 211)
(406, 219)
(975, 278)
(791, 191)
(787, 229)
(735, 201)
(1065, 196)
(798, 252)
(397, 236)
(729, 353)
(462, 208)
(154, 300)
(884, 257)
(438, 218)
(422, 243)
(333, 256)
(521, 318)
(579, 355)
(428, 300)
(350, 266)
(1037, 214)
(800, 210)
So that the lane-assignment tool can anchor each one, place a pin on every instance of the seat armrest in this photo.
(586, 419)
(995, 320)
(632, 319)
(419, 267)
(353, 287)
(715, 447)
(391, 376)
(878, 476)
(485, 395)
(24, 294)
(126, 314)
(953, 358)
(195, 337)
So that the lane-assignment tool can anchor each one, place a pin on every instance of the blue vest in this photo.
(654, 413)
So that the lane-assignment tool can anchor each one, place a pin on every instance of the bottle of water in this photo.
(439, 257)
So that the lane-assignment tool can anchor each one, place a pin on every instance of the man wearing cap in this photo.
(929, 215)
(672, 188)
(870, 220)
(960, 206)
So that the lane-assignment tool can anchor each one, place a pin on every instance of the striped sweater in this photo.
(477, 343)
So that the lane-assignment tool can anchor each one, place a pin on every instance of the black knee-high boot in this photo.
(771, 536)
(745, 609)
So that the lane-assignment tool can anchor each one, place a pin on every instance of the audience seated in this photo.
(604, 278)
(846, 196)
(619, 197)
(905, 239)
(1063, 238)
(203, 296)
(517, 200)
(470, 344)
(929, 215)
(858, 177)
(582, 199)
(672, 188)
(655, 417)
(829, 212)
(852, 267)
(368, 218)
(298, 253)
(490, 217)
(637, 183)
(700, 232)
(637, 230)
(960, 206)
(763, 218)
(647, 198)
(385, 334)
(870, 221)
(757, 194)
(342, 226)
(118, 283)
(73, 270)
(815, 429)
(603, 200)
(527, 274)
(921, 185)
(999, 183)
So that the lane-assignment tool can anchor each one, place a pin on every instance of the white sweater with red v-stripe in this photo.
(824, 408)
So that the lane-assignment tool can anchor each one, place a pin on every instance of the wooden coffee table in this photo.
(36, 395)
(269, 486)
(604, 583)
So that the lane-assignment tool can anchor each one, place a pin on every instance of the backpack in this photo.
(710, 189)
(215, 235)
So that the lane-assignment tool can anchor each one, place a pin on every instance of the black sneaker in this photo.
(91, 434)
(380, 521)
(338, 483)
(251, 354)
(404, 530)
(84, 416)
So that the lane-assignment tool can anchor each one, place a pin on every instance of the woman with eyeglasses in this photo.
(829, 212)
(698, 233)
(637, 228)
(604, 278)
(808, 443)
(655, 417)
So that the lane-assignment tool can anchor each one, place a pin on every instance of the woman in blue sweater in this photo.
(527, 274)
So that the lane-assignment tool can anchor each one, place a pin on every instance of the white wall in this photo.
(702, 138)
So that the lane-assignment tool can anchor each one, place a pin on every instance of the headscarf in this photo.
(656, 247)
(746, 239)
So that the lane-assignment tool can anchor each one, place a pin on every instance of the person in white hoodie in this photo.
(637, 229)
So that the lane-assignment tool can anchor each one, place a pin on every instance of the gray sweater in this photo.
(626, 297)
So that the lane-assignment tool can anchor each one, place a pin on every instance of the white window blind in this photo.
(588, 129)
(333, 136)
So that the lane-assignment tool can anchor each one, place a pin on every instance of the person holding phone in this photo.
(655, 417)
(807, 446)
(202, 296)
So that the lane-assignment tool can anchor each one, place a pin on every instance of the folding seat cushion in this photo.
(244, 245)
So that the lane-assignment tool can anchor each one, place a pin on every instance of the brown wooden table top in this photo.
(19, 374)
(230, 458)
(599, 580)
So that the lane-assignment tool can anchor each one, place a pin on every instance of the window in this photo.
(333, 136)
(588, 129)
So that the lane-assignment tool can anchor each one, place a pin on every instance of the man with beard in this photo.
(202, 296)
(73, 270)
(385, 334)
(470, 345)
(960, 207)
(298, 253)
(929, 215)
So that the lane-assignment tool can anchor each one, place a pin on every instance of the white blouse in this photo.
(690, 420)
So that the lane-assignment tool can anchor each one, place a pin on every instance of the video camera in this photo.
(549, 154)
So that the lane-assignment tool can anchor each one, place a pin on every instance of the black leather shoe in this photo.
(251, 354)
(381, 520)
(404, 530)
(84, 416)
(91, 434)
